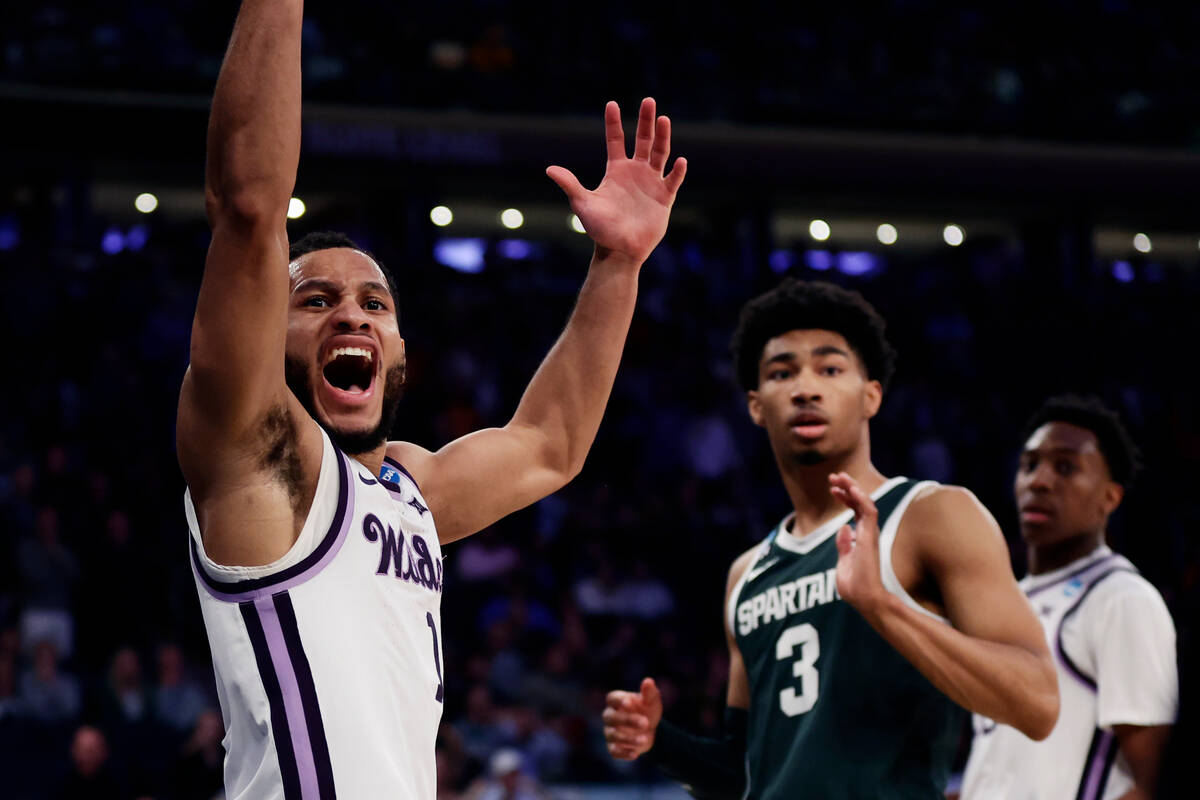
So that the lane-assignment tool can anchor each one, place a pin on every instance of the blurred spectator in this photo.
(482, 730)
(47, 695)
(10, 703)
(178, 700)
(505, 781)
(90, 775)
(198, 772)
(48, 574)
(124, 701)
(641, 595)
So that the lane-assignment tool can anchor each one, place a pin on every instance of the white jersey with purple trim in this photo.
(328, 661)
(1113, 644)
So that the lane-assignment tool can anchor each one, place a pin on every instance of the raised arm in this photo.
(992, 659)
(480, 478)
(238, 334)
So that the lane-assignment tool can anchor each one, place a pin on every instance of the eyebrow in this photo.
(324, 285)
(779, 358)
(829, 350)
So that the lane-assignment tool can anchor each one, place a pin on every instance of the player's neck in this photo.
(807, 486)
(1049, 557)
(372, 459)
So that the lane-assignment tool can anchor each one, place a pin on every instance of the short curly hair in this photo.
(1090, 413)
(811, 305)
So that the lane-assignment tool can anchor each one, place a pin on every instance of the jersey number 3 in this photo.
(802, 637)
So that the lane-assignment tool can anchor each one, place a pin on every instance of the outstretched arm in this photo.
(237, 348)
(993, 658)
(475, 480)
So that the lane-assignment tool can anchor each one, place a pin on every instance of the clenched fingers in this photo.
(625, 719)
(622, 700)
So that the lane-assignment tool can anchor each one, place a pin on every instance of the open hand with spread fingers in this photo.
(630, 720)
(626, 215)
(858, 578)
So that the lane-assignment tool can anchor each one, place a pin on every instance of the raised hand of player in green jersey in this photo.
(630, 720)
(626, 215)
(858, 576)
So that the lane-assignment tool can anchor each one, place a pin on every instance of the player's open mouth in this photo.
(350, 372)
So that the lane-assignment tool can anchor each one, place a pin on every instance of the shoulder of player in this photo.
(1123, 586)
(414, 459)
(944, 519)
(739, 567)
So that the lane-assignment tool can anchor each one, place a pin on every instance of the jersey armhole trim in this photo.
(887, 538)
(314, 562)
(391, 462)
(731, 605)
(1059, 651)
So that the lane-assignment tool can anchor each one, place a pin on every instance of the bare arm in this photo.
(238, 333)
(484, 476)
(994, 660)
(1142, 746)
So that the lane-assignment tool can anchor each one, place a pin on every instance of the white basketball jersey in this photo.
(328, 661)
(1113, 645)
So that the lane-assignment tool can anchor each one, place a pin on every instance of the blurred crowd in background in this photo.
(1013, 68)
(103, 661)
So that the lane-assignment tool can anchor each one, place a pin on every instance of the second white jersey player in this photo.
(1114, 646)
(328, 662)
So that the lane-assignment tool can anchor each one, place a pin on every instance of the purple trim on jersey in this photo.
(400, 468)
(289, 689)
(284, 747)
(310, 565)
(1098, 766)
(315, 725)
(1070, 575)
(1073, 670)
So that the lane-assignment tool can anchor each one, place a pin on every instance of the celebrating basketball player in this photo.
(1108, 625)
(868, 613)
(316, 542)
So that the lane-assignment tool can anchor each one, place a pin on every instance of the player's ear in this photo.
(1111, 497)
(872, 397)
(754, 406)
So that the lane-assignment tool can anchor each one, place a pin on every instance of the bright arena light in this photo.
(886, 233)
(511, 218)
(576, 225)
(441, 216)
(296, 208)
(818, 229)
(1141, 243)
(145, 202)
(953, 235)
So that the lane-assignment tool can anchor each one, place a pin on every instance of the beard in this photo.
(349, 442)
(809, 458)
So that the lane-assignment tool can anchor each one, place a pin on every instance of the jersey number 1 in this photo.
(805, 638)
(437, 661)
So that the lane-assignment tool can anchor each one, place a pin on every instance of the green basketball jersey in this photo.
(835, 711)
